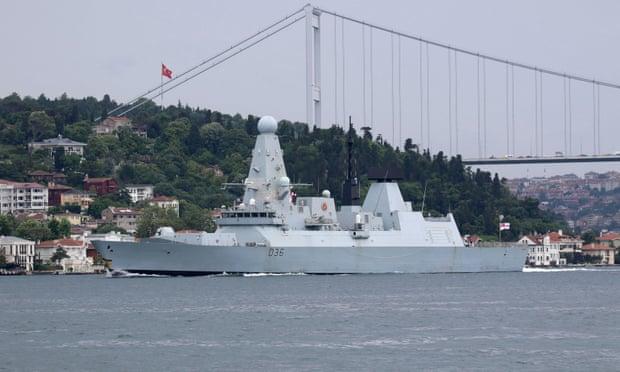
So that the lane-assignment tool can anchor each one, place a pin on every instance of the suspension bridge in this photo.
(534, 109)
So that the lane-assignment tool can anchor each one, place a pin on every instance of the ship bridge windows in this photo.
(249, 214)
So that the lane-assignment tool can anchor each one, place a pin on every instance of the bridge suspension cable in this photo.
(372, 87)
(344, 103)
(204, 62)
(478, 118)
(214, 64)
(400, 98)
(484, 104)
(363, 75)
(475, 54)
(450, 100)
(421, 64)
(392, 84)
(428, 100)
(542, 121)
(512, 110)
(335, 71)
(507, 112)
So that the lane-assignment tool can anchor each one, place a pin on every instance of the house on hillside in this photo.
(21, 197)
(166, 202)
(113, 124)
(100, 186)
(54, 192)
(126, 218)
(68, 145)
(139, 193)
(76, 197)
(47, 177)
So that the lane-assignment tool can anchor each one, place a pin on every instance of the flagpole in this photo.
(161, 86)
(499, 225)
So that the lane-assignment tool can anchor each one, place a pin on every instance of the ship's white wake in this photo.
(252, 275)
(126, 274)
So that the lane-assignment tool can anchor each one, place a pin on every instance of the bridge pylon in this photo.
(313, 66)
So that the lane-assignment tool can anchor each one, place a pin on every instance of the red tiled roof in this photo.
(60, 243)
(58, 187)
(163, 198)
(609, 236)
(597, 247)
(98, 179)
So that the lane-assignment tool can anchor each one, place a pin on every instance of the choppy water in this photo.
(525, 321)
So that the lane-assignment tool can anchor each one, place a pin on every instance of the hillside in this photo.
(189, 152)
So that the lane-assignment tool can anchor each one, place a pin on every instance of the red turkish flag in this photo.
(165, 71)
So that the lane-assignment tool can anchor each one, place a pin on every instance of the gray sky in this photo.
(92, 48)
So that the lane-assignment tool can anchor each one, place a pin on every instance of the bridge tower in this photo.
(313, 67)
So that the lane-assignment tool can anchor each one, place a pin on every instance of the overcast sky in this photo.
(93, 47)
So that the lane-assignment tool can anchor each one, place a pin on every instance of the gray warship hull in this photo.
(160, 256)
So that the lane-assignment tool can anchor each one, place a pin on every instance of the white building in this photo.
(70, 146)
(75, 249)
(543, 251)
(17, 197)
(138, 193)
(17, 250)
(166, 202)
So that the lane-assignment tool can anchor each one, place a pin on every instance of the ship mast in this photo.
(350, 192)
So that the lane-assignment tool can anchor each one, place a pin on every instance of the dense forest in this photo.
(186, 148)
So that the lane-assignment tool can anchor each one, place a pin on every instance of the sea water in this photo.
(493, 321)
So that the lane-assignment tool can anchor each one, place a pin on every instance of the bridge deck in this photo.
(542, 160)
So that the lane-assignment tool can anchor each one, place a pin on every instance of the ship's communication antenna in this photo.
(350, 192)
(424, 197)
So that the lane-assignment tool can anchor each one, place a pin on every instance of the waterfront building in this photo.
(18, 251)
(612, 239)
(78, 261)
(126, 218)
(19, 197)
(603, 251)
(543, 250)
(139, 193)
(68, 145)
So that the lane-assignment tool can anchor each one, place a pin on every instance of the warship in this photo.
(273, 231)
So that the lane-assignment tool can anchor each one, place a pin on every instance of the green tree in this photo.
(109, 227)
(59, 255)
(7, 224)
(33, 230)
(64, 228)
(153, 218)
(41, 126)
(588, 237)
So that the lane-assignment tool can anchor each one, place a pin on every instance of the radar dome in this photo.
(267, 124)
(284, 181)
